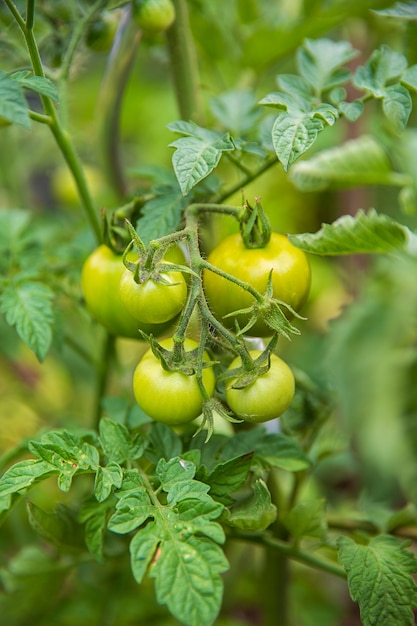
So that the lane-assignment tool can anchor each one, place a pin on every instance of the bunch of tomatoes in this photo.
(176, 377)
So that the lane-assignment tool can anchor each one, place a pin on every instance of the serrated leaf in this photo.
(13, 105)
(194, 159)
(107, 478)
(384, 66)
(95, 516)
(132, 510)
(400, 10)
(256, 512)
(293, 134)
(28, 307)
(364, 233)
(307, 519)
(23, 475)
(360, 161)
(319, 62)
(380, 579)
(15, 232)
(278, 450)
(327, 112)
(117, 443)
(187, 580)
(161, 215)
(226, 478)
(40, 84)
(397, 106)
(142, 549)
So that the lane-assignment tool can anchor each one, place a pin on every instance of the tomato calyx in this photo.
(254, 225)
(213, 407)
(178, 359)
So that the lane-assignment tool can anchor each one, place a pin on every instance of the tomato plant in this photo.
(153, 301)
(290, 276)
(170, 396)
(149, 469)
(267, 397)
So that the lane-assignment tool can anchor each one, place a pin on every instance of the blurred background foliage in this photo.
(358, 341)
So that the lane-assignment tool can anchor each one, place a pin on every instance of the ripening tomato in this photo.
(291, 277)
(267, 397)
(169, 396)
(153, 16)
(153, 301)
(100, 280)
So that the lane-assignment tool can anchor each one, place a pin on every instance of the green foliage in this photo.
(108, 515)
(370, 570)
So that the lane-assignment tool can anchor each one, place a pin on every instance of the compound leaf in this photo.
(293, 134)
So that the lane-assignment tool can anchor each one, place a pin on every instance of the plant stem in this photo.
(103, 375)
(184, 64)
(290, 551)
(272, 160)
(120, 63)
(61, 136)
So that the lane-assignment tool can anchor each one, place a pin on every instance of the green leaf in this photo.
(400, 10)
(360, 161)
(179, 544)
(351, 110)
(13, 105)
(165, 443)
(196, 154)
(28, 307)
(293, 134)
(319, 63)
(58, 528)
(409, 78)
(307, 519)
(278, 450)
(256, 512)
(226, 478)
(366, 233)
(117, 443)
(384, 66)
(132, 510)
(95, 515)
(380, 579)
(397, 106)
(107, 478)
(67, 454)
(23, 475)
(236, 110)
(161, 215)
(15, 233)
(40, 84)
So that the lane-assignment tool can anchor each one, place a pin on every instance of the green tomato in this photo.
(153, 16)
(100, 33)
(267, 397)
(65, 190)
(100, 280)
(170, 397)
(153, 301)
(291, 278)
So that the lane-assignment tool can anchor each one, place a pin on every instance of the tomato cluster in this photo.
(173, 385)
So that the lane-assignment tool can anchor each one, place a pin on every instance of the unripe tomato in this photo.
(153, 302)
(4, 122)
(100, 33)
(65, 190)
(100, 280)
(153, 16)
(170, 397)
(291, 277)
(267, 397)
